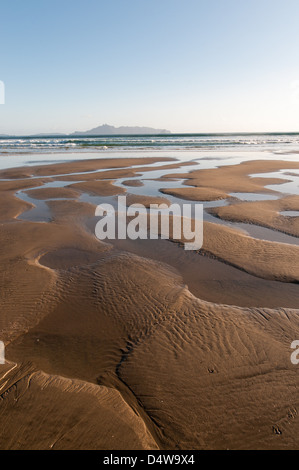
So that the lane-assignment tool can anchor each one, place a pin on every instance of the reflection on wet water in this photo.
(40, 212)
(254, 196)
(291, 186)
(290, 213)
(207, 158)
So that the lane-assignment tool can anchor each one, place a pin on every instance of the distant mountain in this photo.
(105, 129)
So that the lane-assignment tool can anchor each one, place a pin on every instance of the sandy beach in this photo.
(140, 344)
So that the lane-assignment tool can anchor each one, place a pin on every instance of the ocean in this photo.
(27, 150)
(272, 141)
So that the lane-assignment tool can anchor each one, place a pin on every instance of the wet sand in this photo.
(237, 178)
(141, 345)
(196, 194)
(264, 213)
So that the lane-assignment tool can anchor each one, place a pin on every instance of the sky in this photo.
(186, 66)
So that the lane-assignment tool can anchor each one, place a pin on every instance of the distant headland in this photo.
(106, 129)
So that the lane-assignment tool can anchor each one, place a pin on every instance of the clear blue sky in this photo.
(188, 66)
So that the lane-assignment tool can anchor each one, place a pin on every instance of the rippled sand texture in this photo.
(108, 348)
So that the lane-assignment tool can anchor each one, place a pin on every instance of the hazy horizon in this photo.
(78, 134)
(192, 67)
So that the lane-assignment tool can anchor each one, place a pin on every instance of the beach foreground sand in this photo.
(114, 346)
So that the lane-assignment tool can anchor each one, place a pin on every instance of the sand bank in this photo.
(236, 178)
(264, 213)
(196, 194)
(53, 193)
(79, 166)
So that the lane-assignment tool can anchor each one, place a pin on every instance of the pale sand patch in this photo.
(145, 200)
(133, 183)
(53, 193)
(195, 194)
(98, 188)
